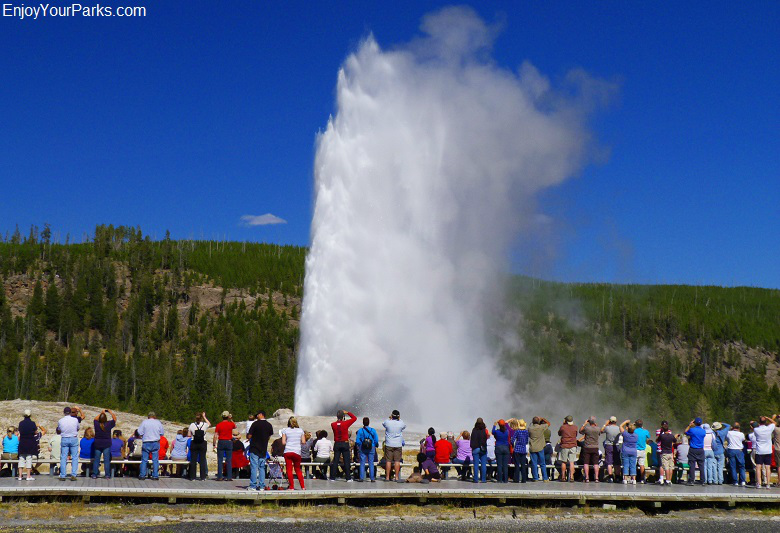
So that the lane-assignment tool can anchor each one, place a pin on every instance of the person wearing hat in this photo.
(520, 440)
(611, 432)
(394, 442)
(223, 445)
(719, 435)
(695, 434)
(28, 445)
(501, 433)
(568, 450)
(69, 442)
(150, 432)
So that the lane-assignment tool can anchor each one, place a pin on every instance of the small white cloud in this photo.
(261, 220)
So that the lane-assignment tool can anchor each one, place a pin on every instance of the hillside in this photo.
(135, 324)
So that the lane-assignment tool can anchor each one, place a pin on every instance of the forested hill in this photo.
(128, 322)
(132, 323)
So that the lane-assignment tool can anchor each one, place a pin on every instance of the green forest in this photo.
(116, 321)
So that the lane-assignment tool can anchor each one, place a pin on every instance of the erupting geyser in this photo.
(423, 179)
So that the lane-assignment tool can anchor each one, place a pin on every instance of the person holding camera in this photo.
(101, 447)
(394, 443)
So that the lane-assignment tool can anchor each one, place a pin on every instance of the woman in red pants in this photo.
(292, 438)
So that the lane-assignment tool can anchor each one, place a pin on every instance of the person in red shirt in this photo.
(163, 452)
(341, 446)
(442, 451)
(223, 445)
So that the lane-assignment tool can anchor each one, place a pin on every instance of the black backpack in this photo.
(198, 435)
(368, 443)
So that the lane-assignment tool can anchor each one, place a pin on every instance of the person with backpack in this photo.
(367, 441)
(198, 446)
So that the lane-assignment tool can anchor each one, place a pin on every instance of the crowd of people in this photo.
(508, 450)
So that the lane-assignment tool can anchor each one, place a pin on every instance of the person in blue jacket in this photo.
(367, 442)
(720, 432)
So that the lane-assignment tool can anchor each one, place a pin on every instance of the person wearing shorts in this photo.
(394, 442)
(666, 441)
(611, 432)
(590, 449)
(568, 453)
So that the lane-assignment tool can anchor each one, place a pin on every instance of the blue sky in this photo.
(202, 112)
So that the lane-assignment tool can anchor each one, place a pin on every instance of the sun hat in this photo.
(716, 426)
(225, 414)
(27, 412)
(613, 418)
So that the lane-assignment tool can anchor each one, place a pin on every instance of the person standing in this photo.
(394, 443)
(537, 444)
(520, 438)
(720, 432)
(341, 447)
(776, 445)
(736, 455)
(101, 447)
(223, 445)
(642, 438)
(259, 434)
(501, 434)
(695, 434)
(69, 442)
(292, 439)
(666, 441)
(763, 434)
(478, 442)
(590, 449)
(629, 452)
(198, 446)
(28, 445)
(568, 453)
(611, 432)
(150, 432)
(367, 442)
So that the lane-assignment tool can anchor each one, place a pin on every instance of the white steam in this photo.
(423, 179)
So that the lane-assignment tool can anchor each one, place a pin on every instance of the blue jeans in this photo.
(502, 463)
(69, 446)
(537, 460)
(256, 471)
(225, 453)
(710, 466)
(463, 472)
(96, 454)
(480, 465)
(153, 449)
(736, 465)
(367, 458)
(721, 460)
(629, 465)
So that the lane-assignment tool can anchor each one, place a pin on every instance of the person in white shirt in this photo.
(69, 442)
(322, 450)
(763, 437)
(736, 455)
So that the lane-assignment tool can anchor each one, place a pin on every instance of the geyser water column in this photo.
(423, 178)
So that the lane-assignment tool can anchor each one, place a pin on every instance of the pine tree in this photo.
(52, 306)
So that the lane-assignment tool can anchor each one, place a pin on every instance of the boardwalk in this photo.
(174, 489)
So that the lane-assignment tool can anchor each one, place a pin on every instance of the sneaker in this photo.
(350, 481)
(72, 477)
(642, 482)
(609, 480)
(33, 479)
(633, 481)
(741, 484)
(625, 482)
(251, 488)
(668, 482)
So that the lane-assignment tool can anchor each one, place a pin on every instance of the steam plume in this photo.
(423, 179)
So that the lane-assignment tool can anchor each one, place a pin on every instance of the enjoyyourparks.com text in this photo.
(40, 11)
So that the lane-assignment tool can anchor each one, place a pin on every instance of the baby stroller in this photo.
(276, 475)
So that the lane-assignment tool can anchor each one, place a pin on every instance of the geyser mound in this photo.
(423, 178)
